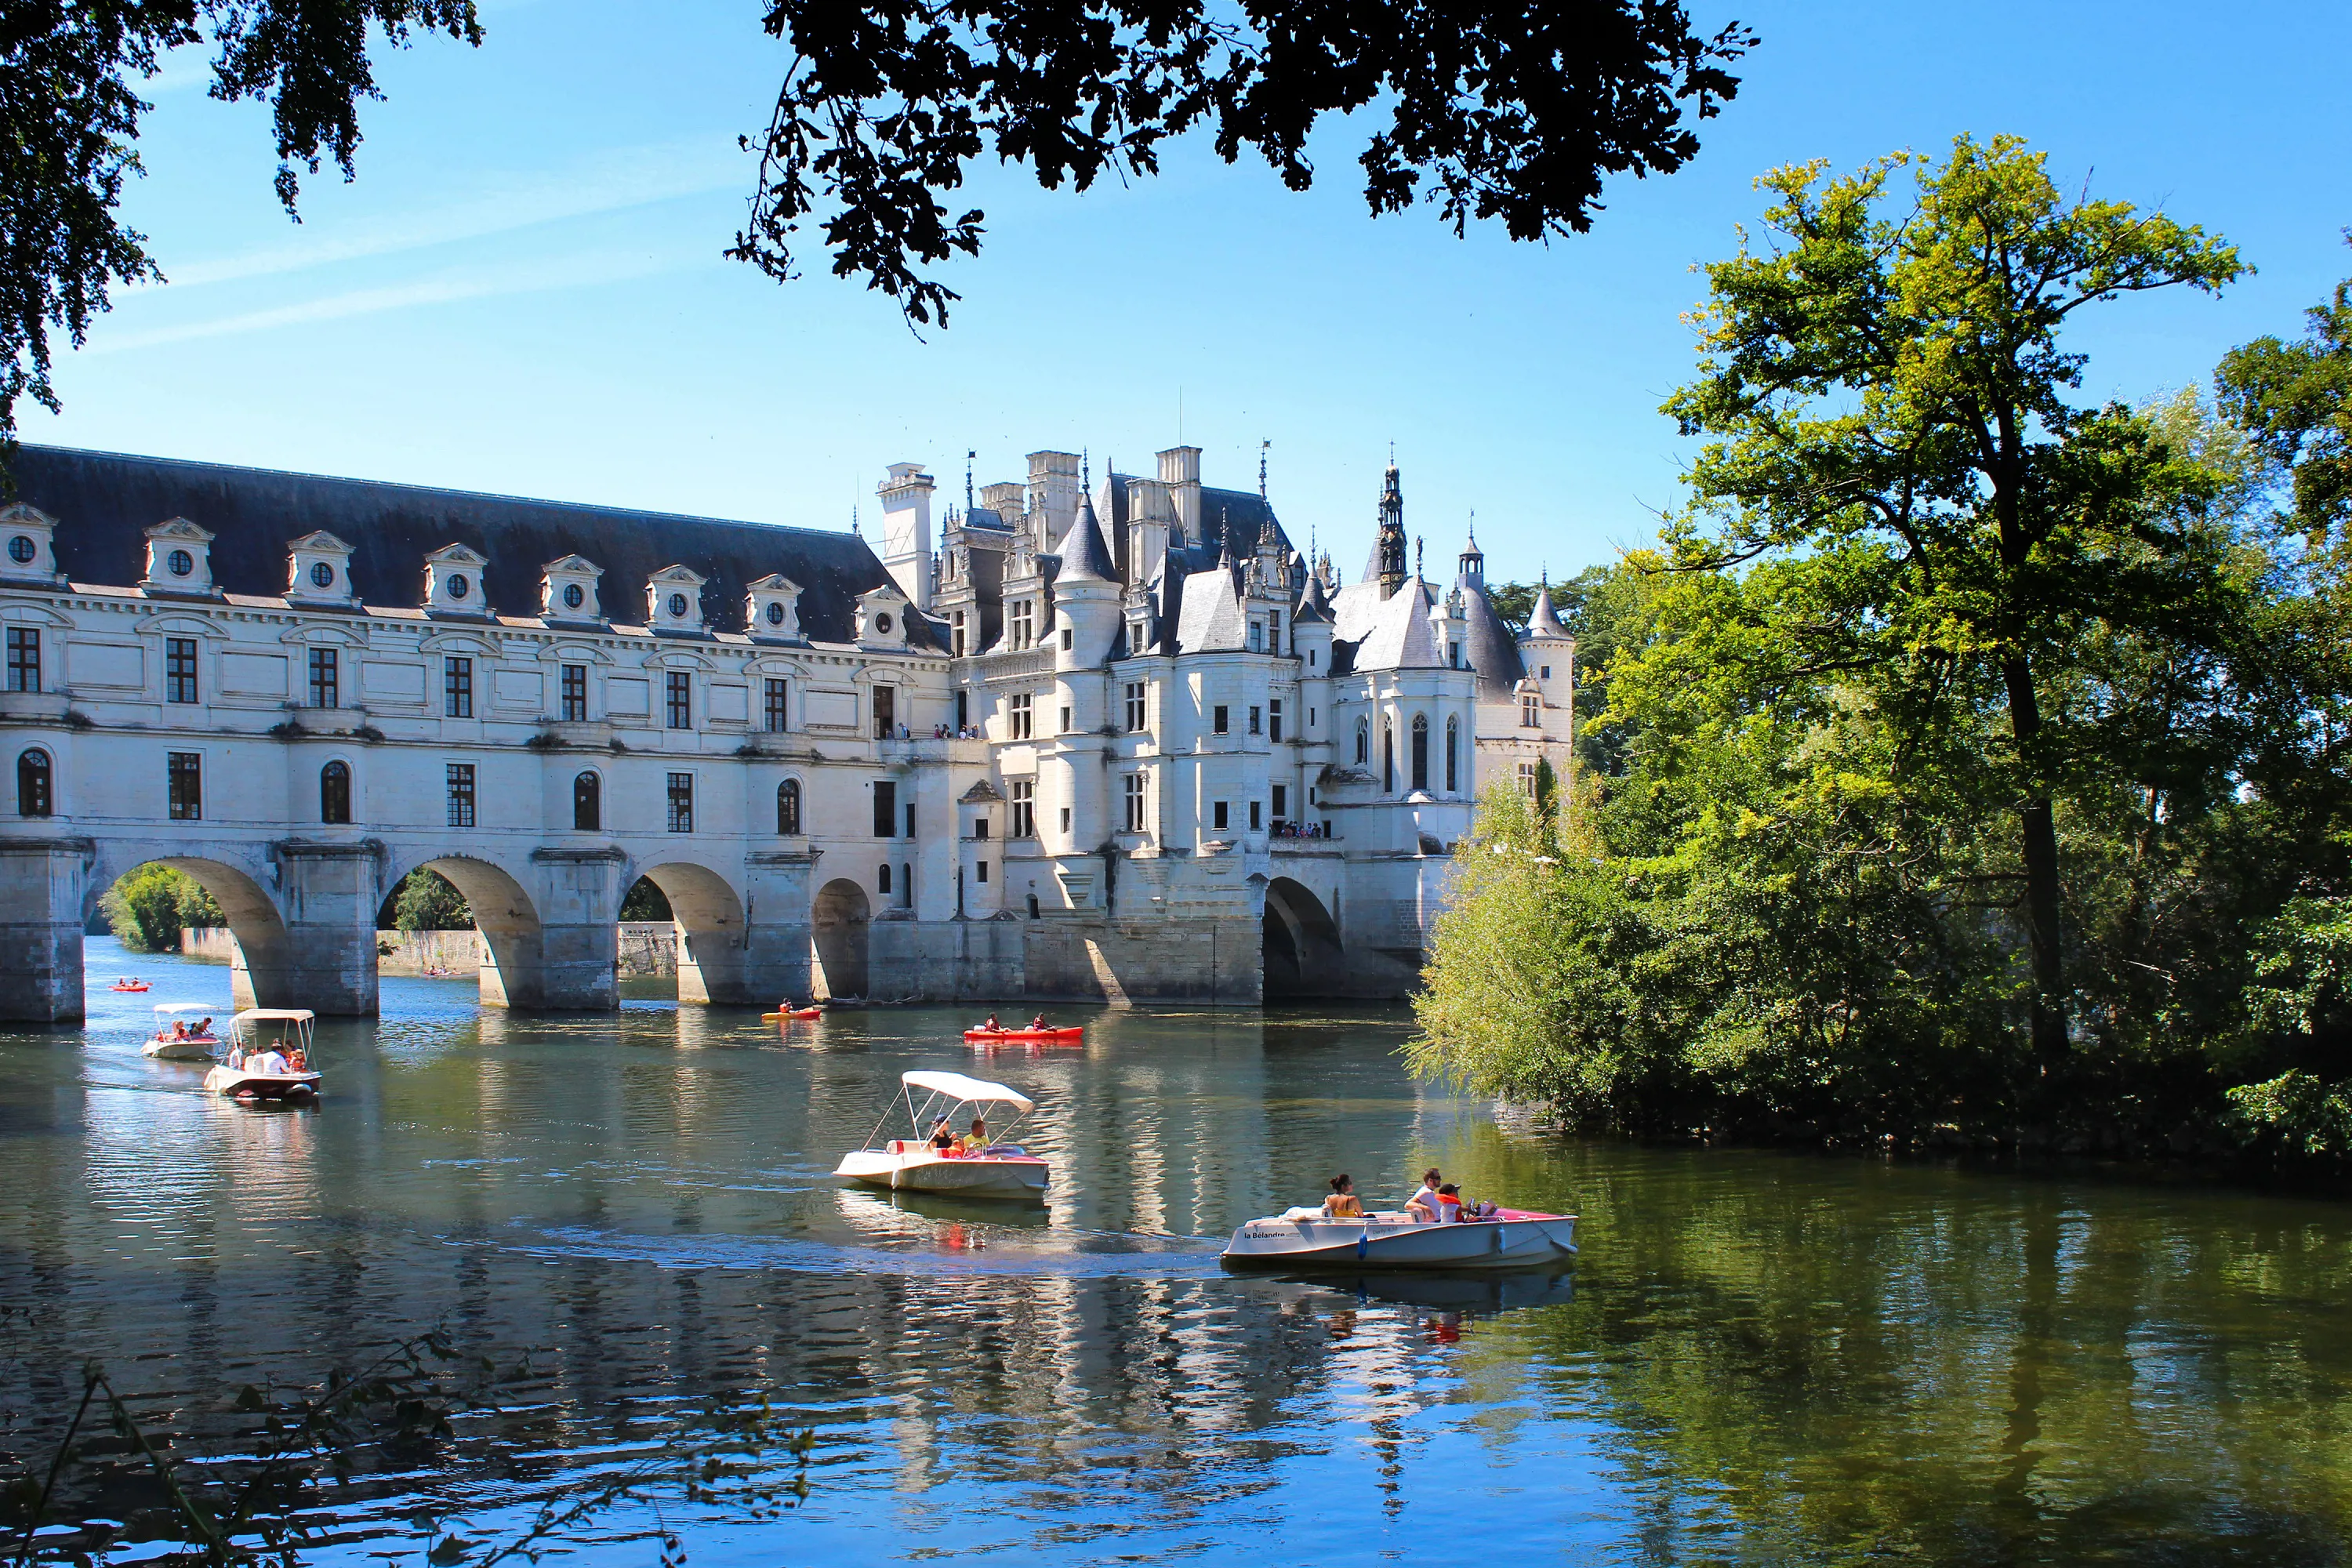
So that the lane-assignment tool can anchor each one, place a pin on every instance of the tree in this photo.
(70, 117)
(148, 908)
(1890, 372)
(2296, 399)
(645, 901)
(429, 901)
(1511, 112)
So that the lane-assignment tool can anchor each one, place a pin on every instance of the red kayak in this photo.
(791, 1012)
(1070, 1036)
(119, 987)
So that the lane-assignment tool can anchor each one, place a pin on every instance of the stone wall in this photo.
(646, 948)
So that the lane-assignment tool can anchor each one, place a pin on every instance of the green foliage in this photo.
(645, 901)
(2296, 399)
(148, 908)
(2296, 1116)
(1812, 898)
(427, 901)
(1514, 603)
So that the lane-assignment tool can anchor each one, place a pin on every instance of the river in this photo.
(1757, 1357)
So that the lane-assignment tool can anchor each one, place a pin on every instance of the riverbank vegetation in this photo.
(1969, 765)
(147, 908)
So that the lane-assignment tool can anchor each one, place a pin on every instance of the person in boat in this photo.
(298, 1059)
(204, 1028)
(1342, 1203)
(977, 1139)
(992, 1026)
(1423, 1205)
(1449, 1205)
(943, 1137)
(1037, 1023)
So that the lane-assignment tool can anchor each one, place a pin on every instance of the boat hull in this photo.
(1513, 1241)
(971, 1176)
(1025, 1036)
(180, 1051)
(238, 1084)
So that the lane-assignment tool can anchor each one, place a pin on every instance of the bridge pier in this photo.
(777, 957)
(42, 894)
(327, 900)
(579, 941)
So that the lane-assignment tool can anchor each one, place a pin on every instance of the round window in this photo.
(322, 574)
(572, 596)
(775, 613)
(678, 606)
(457, 585)
(882, 624)
(181, 563)
(21, 550)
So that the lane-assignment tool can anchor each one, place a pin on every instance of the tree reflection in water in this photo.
(1765, 1357)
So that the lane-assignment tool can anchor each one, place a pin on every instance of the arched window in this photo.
(1452, 755)
(1388, 758)
(1363, 743)
(1420, 750)
(788, 808)
(33, 782)
(588, 803)
(335, 792)
(882, 882)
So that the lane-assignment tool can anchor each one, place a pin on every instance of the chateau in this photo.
(1117, 740)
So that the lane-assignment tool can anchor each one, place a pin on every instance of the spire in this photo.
(1389, 554)
(1085, 558)
(1473, 565)
(1544, 621)
(1419, 546)
(969, 454)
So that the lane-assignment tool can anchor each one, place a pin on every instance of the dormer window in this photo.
(775, 615)
(772, 608)
(322, 574)
(573, 596)
(674, 600)
(459, 586)
(452, 576)
(21, 550)
(180, 563)
(178, 559)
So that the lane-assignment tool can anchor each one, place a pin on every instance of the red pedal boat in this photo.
(128, 985)
(1069, 1037)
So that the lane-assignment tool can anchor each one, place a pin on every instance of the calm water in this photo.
(1757, 1359)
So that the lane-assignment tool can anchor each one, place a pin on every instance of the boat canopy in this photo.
(165, 1009)
(276, 1015)
(971, 1090)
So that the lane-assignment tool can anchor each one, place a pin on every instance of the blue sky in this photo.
(523, 292)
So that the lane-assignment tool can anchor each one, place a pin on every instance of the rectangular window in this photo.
(680, 706)
(983, 871)
(179, 669)
(886, 809)
(1065, 819)
(1531, 711)
(958, 634)
(326, 681)
(1066, 638)
(1134, 793)
(885, 711)
(1021, 636)
(779, 697)
(461, 794)
(1255, 727)
(1454, 654)
(1274, 721)
(1216, 814)
(1255, 821)
(980, 827)
(458, 687)
(1065, 718)
(185, 775)
(1137, 713)
(1020, 708)
(1025, 809)
(1281, 802)
(1274, 632)
(23, 658)
(1527, 780)
(1135, 637)
(681, 803)
(1547, 673)
(1217, 721)
(910, 819)
(1258, 637)
(575, 693)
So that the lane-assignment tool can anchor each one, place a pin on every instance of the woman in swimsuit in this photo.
(1342, 1203)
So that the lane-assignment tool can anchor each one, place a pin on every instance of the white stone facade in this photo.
(1135, 749)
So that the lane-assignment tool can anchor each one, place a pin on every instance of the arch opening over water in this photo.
(708, 918)
(514, 941)
(262, 967)
(841, 920)
(1299, 944)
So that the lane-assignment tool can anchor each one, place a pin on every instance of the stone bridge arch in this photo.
(841, 928)
(712, 932)
(514, 938)
(1302, 951)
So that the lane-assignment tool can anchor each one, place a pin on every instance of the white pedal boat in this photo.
(1307, 1239)
(254, 1032)
(912, 1164)
(165, 1046)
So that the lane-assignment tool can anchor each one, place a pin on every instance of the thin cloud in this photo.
(632, 177)
(447, 288)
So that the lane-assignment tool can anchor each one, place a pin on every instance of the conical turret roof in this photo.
(1084, 557)
(1544, 621)
(1313, 609)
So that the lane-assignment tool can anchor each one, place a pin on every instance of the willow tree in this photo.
(1885, 367)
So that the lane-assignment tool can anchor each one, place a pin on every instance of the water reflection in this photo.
(1757, 1357)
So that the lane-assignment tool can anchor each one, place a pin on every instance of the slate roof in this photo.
(104, 502)
(1227, 517)
(1493, 651)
